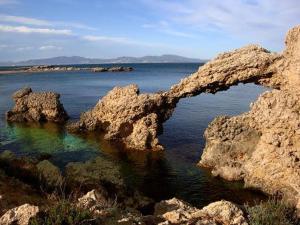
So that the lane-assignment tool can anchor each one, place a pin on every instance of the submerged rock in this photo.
(19, 215)
(36, 107)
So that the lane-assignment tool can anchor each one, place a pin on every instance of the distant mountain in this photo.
(66, 60)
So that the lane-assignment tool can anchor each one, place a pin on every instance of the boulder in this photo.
(126, 116)
(19, 215)
(175, 211)
(36, 107)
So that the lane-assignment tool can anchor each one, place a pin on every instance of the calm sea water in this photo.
(162, 175)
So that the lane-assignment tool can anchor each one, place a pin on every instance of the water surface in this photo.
(159, 175)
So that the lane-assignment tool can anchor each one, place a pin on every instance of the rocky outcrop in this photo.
(19, 215)
(136, 119)
(175, 211)
(261, 147)
(36, 107)
(112, 69)
(129, 117)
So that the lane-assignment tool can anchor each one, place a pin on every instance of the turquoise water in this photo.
(159, 175)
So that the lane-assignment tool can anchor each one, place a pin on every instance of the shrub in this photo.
(64, 213)
(271, 212)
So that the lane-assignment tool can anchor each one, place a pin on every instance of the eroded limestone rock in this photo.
(36, 106)
(136, 119)
(260, 147)
(175, 211)
(19, 215)
(127, 116)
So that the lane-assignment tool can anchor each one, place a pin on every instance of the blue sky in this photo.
(105, 29)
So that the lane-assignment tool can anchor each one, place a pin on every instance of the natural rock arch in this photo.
(136, 120)
(261, 146)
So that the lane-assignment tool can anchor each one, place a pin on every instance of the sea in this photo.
(159, 175)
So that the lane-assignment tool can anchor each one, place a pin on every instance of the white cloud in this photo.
(120, 40)
(26, 48)
(23, 20)
(28, 30)
(106, 38)
(50, 47)
(255, 20)
(165, 27)
(4, 46)
(8, 2)
(39, 22)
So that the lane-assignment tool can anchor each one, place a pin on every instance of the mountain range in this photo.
(72, 60)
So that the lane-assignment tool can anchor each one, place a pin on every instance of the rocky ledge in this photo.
(261, 147)
(173, 211)
(36, 106)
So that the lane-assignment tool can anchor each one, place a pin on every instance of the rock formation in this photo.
(19, 215)
(175, 211)
(36, 106)
(136, 119)
(259, 147)
(127, 116)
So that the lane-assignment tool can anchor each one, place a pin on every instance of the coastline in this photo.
(51, 68)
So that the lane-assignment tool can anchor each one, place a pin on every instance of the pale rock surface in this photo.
(261, 146)
(19, 215)
(175, 211)
(129, 117)
(36, 107)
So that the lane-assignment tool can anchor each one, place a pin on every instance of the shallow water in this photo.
(159, 175)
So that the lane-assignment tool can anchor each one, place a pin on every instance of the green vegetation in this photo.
(272, 212)
(64, 213)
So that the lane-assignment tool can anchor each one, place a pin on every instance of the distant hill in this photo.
(71, 60)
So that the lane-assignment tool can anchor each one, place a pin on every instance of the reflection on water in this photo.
(43, 138)
(159, 175)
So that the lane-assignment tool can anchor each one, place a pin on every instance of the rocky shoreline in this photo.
(259, 147)
(53, 68)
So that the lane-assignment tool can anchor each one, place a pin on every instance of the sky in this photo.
(105, 29)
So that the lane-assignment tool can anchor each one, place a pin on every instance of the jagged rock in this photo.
(91, 199)
(126, 116)
(248, 64)
(260, 147)
(136, 119)
(175, 211)
(39, 106)
(19, 215)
